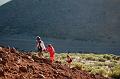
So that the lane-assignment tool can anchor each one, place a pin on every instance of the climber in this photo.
(40, 46)
(51, 51)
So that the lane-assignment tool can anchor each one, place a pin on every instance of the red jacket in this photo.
(51, 51)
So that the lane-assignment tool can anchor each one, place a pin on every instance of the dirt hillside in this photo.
(19, 65)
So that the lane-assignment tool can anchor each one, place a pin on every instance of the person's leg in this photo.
(40, 52)
(51, 59)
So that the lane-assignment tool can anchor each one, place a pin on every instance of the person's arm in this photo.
(53, 49)
(43, 46)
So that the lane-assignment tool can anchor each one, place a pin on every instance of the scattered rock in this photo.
(41, 76)
(13, 50)
(59, 62)
(30, 68)
(19, 77)
(23, 69)
(1, 60)
(20, 66)
(4, 61)
(1, 72)
(0, 48)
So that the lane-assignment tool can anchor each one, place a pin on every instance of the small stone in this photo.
(0, 48)
(41, 76)
(23, 69)
(0, 59)
(1, 72)
(19, 77)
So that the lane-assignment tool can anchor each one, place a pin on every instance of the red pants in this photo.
(52, 58)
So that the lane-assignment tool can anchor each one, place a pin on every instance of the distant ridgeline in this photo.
(88, 23)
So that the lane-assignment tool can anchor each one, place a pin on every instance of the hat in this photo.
(38, 38)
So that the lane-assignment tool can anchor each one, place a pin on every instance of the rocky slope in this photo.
(19, 65)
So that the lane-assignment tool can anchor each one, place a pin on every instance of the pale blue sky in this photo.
(4, 1)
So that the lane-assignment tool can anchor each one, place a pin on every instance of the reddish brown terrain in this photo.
(18, 65)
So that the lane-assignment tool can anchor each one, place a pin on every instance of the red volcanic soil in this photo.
(18, 65)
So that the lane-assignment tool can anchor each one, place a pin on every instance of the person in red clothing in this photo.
(51, 51)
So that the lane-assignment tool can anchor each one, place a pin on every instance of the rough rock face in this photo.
(16, 65)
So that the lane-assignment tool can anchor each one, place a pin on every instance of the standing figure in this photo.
(40, 46)
(51, 51)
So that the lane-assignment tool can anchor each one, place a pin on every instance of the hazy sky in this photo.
(4, 1)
